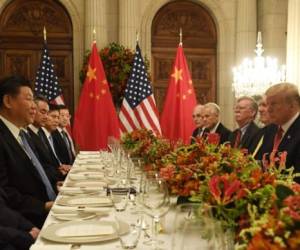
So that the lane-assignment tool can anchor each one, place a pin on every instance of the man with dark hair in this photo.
(62, 142)
(35, 132)
(21, 175)
(51, 126)
(245, 113)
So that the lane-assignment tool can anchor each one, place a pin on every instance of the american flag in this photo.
(138, 109)
(46, 81)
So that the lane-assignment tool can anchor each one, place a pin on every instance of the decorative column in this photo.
(95, 18)
(272, 22)
(246, 30)
(129, 22)
(293, 42)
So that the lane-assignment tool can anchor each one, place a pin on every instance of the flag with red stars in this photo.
(176, 118)
(95, 119)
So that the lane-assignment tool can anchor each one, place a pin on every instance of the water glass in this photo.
(130, 239)
(119, 197)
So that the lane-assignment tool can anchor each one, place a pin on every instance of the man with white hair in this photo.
(198, 121)
(283, 103)
(211, 120)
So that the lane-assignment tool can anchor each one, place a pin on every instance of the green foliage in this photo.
(117, 62)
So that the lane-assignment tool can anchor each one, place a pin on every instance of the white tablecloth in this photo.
(165, 236)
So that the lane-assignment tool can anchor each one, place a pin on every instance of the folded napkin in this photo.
(57, 209)
(80, 190)
(87, 184)
(51, 247)
(87, 175)
(90, 200)
(87, 161)
(85, 230)
(88, 152)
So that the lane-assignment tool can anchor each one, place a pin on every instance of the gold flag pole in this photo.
(45, 34)
(180, 36)
(137, 36)
(94, 35)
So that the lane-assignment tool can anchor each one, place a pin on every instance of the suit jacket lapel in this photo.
(17, 149)
(292, 131)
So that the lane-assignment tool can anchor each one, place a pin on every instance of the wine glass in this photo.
(156, 203)
(195, 228)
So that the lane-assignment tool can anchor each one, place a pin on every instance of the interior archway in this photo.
(199, 42)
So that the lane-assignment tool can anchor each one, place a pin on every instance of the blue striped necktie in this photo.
(37, 165)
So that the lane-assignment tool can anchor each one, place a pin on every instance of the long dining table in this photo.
(89, 168)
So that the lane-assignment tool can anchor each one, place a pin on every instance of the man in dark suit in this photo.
(283, 102)
(48, 134)
(15, 231)
(64, 126)
(245, 113)
(44, 152)
(211, 120)
(198, 121)
(21, 175)
(264, 119)
(62, 142)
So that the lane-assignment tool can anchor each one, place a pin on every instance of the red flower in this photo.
(167, 172)
(213, 138)
(226, 188)
(261, 242)
(296, 187)
(293, 206)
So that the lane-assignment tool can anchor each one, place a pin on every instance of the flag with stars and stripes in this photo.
(46, 81)
(138, 109)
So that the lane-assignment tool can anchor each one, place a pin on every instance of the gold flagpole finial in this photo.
(137, 36)
(180, 36)
(94, 35)
(45, 34)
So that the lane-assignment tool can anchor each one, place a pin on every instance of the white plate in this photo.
(93, 201)
(83, 231)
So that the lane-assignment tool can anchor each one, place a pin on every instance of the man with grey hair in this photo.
(283, 103)
(211, 120)
(198, 121)
(245, 113)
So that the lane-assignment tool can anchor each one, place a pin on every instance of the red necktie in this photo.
(277, 138)
(237, 138)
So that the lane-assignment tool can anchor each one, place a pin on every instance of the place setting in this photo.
(84, 231)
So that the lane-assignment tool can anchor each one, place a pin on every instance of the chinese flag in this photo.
(95, 118)
(176, 118)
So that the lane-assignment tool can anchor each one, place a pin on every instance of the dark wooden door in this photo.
(199, 43)
(21, 41)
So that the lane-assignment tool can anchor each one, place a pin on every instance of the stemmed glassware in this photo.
(156, 203)
(196, 229)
